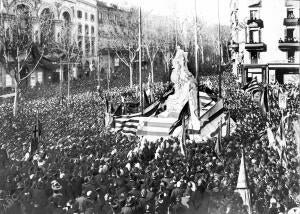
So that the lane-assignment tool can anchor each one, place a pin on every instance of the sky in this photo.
(207, 10)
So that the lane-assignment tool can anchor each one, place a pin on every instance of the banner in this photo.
(282, 100)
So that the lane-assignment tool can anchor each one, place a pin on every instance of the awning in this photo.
(284, 65)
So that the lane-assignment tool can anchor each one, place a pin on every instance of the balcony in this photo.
(256, 47)
(255, 23)
(291, 21)
(233, 46)
(289, 44)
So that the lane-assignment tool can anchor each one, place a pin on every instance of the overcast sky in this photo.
(206, 9)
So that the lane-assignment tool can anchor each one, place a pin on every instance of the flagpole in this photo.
(140, 58)
(196, 61)
(219, 38)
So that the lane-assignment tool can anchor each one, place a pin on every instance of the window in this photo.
(79, 29)
(289, 35)
(254, 36)
(116, 18)
(87, 46)
(86, 30)
(100, 17)
(254, 57)
(80, 43)
(92, 30)
(92, 17)
(290, 13)
(86, 16)
(79, 14)
(291, 56)
(93, 47)
(254, 14)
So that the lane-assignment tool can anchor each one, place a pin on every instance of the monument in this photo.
(185, 86)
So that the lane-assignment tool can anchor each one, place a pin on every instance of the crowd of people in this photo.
(80, 167)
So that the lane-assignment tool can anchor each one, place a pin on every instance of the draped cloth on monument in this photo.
(185, 86)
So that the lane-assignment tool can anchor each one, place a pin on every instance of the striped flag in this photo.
(228, 125)
(211, 121)
(206, 101)
(281, 143)
(218, 146)
(296, 125)
(264, 102)
(252, 86)
(164, 127)
(128, 124)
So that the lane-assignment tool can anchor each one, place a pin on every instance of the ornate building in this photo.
(265, 39)
(81, 16)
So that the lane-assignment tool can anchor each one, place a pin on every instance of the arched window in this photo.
(47, 25)
(66, 26)
(92, 30)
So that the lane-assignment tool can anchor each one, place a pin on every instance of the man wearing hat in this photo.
(130, 206)
(57, 200)
(39, 198)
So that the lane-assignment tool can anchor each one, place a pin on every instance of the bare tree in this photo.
(153, 38)
(124, 41)
(66, 50)
(18, 41)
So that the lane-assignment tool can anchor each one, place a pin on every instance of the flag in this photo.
(271, 138)
(264, 102)
(280, 135)
(128, 124)
(228, 125)
(211, 120)
(296, 125)
(107, 104)
(242, 184)
(1, 6)
(185, 112)
(252, 86)
(183, 141)
(218, 145)
(283, 158)
(146, 100)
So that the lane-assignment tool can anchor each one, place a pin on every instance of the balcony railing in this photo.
(256, 47)
(254, 23)
(291, 21)
(289, 44)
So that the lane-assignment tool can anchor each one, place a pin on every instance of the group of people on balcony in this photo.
(291, 16)
(289, 39)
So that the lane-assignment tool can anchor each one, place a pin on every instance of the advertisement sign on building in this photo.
(117, 61)
(40, 77)
(282, 100)
(8, 80)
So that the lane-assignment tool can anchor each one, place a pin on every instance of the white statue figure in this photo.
(185, 86)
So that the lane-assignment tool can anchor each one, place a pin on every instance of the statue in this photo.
(185, 86)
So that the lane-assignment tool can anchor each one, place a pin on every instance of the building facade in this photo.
(82, 17)
(265, 40)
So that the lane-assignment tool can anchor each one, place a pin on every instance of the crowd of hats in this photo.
(81, 167)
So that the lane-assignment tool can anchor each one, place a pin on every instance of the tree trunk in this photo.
(68, 84)
(16, 99)
(131, 75)
(152, 71)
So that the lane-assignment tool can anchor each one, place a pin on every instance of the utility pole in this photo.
(220, 58)
(140, 59)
